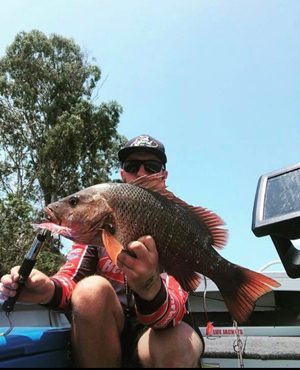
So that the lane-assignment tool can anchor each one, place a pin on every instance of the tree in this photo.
(16, 237)
(54, 139)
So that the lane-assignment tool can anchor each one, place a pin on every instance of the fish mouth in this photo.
(51, 217)
(54, 224)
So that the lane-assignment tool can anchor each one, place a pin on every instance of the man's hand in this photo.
(39, 288)
(142, 271)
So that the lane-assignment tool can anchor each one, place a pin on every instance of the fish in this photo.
(187, 237)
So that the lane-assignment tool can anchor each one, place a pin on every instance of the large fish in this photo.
(114, 214)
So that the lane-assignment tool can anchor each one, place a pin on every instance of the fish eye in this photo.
(73, 201)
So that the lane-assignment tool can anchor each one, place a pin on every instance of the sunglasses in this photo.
(150, 166)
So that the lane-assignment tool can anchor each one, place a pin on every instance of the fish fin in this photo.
(213, 222)
(152, 182)
(112, 245)
(187, 278)
(188, 281)
(245, 288)
(191, 283)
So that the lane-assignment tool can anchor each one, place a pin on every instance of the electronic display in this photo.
(277, 204)
(276, 213)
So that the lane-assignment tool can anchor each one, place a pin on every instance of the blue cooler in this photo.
(35, 347)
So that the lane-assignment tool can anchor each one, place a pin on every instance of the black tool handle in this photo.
(24, 272)
(26, 268)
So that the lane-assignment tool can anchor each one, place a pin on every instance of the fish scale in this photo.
(186, 237)
(148, 212)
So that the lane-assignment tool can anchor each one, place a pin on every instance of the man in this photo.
(127, 315)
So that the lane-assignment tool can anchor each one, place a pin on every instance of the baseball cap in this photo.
(143, 143)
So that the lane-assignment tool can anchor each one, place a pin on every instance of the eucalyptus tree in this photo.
(54, 137)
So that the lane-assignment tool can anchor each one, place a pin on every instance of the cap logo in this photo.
(144, 141)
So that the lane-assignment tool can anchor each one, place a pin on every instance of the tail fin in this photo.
(244, 291)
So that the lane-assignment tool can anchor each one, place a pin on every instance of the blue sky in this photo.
(218, 82)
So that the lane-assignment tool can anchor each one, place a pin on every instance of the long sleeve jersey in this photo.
(165, 310)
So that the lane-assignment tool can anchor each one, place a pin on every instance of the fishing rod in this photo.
(26, 268)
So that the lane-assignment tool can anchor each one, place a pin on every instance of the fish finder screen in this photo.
(277, 203)
(276, 213)
(282, 194)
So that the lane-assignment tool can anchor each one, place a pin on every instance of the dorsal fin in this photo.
(212, 221)
(151, 182)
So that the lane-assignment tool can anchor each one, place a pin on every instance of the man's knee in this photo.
(173, 347)
(90, 291)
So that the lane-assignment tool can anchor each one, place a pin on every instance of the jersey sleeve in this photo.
(167, 308)
(81, 262)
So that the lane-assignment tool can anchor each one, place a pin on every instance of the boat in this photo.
(35, 336)
(269, 338)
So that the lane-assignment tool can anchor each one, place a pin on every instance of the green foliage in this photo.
(53, 139)
(49, 259)
(16, 231)
(17, 235)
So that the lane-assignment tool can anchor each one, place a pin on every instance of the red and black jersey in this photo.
(166, 309)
